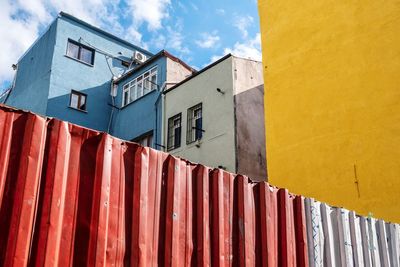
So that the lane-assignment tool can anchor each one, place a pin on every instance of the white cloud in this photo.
(172, 39)
(220, 11)
(158, 42)
(175, 41)
(250, 49)
(16, 36)
(22, 21)
(208, 40)
(242, 23)
(151, 12)
(195, 7)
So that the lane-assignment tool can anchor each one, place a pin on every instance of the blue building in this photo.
(139, 100)
(79, 73)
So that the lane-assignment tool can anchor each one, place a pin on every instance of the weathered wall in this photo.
(249, 118)
(217, 146)
(250, 133)
(33, 74)
(71, 196)
(93, 80)
(332, 75)
(247, 74)
(176, 72)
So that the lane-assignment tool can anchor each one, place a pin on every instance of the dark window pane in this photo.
(126, 98)
(194, 124)
(174, 132)
(86, 55)
(82, 103)
(72, 50)
(199, 132)
(177, 139)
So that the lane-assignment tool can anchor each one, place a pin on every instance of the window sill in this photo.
(195, 142)
(173, 148)
(80, 61)
(137, 99)
(77, 109)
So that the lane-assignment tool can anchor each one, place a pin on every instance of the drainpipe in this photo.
(113, 93)
(159, 143)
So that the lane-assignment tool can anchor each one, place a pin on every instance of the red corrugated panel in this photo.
(72, 196)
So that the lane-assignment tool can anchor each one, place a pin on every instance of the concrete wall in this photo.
(249, 118)
(333, 101)
(248, 74)
(176, 72)
(217, 147)
(93, 80)
(250, 133)
(33, 75)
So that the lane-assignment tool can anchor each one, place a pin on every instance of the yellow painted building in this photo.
(332, 98)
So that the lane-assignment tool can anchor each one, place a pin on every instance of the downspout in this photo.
(159, 143)
(113, 93)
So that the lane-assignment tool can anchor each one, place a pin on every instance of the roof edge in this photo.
(199, 72)
(110, 35)
(152, 59)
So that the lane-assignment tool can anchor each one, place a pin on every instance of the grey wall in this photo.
(250, 133)
(217, 147)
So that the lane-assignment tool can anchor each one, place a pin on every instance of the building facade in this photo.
(71, 62)
(76, 72)
(333, 101)
(215, 117)
(139, 102)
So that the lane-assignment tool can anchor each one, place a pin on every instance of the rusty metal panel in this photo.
(70, 196)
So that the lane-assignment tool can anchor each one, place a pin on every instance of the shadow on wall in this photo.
(250, 133)
(98, 108)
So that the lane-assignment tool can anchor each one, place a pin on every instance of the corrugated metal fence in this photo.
(73, 196)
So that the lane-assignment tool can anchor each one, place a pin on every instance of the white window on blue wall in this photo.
(80, 52)
(139, 86)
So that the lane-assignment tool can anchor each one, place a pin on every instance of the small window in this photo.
(174, 132)
(80, 52)
(195, 124)
(145, 140)
(77, 100)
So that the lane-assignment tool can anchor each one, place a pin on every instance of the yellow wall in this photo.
(332, 77)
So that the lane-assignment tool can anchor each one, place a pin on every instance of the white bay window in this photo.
(140, 86)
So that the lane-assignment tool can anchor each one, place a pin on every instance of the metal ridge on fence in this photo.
(73, 196)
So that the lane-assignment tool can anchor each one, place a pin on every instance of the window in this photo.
(139, 86)
(195, 124)
(145, 139)
(80, 52)
(77, 100)
(174, 132)
(125, 63)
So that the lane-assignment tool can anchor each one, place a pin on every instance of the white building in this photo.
(216, 117)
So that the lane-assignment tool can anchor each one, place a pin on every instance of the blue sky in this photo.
(198, 31)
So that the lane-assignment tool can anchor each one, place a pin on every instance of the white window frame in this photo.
(131, 87)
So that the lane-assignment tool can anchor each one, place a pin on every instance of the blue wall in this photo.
(33, 75)
(46, 77)
(139, 117)
(93, 80)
